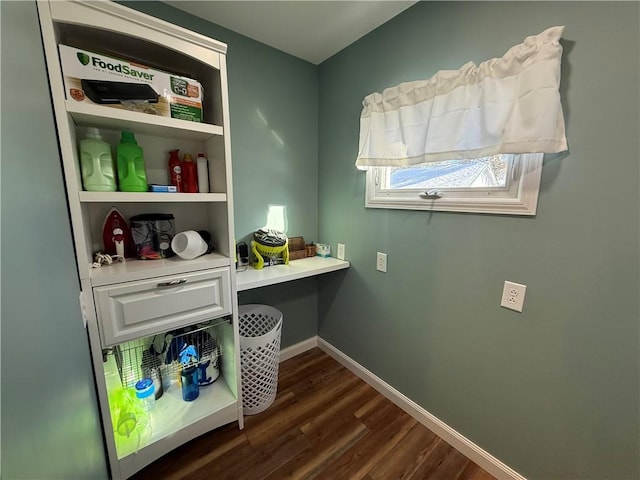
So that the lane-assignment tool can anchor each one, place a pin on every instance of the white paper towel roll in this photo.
(203, 173)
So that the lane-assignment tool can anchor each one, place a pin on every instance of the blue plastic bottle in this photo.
(189, 380)
(131, 171)
(145, 392)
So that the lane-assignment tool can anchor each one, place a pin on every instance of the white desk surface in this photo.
(295, 270)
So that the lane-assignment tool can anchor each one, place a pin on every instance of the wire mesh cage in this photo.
(159, 357)
(260, 327)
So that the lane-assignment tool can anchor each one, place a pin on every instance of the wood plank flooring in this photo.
(325, 424)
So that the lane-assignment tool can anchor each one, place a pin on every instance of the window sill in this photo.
(295, 270)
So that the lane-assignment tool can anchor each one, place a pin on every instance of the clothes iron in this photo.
(116, 235)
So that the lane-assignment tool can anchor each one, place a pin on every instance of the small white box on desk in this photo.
(323, 250)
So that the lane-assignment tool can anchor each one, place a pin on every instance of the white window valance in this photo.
(505, 105)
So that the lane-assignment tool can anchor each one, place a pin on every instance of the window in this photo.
(501, 184)
(467, 140)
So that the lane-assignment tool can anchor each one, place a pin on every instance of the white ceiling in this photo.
(311, 30)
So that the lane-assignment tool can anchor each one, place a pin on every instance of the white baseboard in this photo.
(472, 451)
(298, 348)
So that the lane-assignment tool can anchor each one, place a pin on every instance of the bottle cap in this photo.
(144, 388)
(93, 132)
(128, 137)
(187, 158)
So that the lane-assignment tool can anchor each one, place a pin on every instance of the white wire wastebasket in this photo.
(260, 327)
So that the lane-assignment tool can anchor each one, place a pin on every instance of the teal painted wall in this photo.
(273, 101)
(552, 392)
(50, 423)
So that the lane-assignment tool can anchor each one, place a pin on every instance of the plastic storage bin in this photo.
(260, 328)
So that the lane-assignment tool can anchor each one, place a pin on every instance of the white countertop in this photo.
(295, 270)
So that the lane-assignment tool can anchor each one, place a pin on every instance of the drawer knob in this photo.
(172, 283)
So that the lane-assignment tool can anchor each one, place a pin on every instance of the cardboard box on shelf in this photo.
(104, 80)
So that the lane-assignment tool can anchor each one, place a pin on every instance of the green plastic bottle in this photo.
(131, 172)
(96, 163)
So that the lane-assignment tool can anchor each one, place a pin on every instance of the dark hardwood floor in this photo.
(325, 423)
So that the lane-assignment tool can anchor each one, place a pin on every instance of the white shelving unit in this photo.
(145, 197)
(87, 115)
(131, 301)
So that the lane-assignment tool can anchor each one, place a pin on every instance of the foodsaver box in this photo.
(104, 80)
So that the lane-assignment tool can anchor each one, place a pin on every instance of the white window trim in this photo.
(520, 197)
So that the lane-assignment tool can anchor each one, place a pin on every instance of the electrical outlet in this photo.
(340, 252)
(381, 262)
(513, 296)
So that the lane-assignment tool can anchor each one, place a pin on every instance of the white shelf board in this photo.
(295, 270)
(85, 114)
(132, 270)
(149, 197)
(171, 414)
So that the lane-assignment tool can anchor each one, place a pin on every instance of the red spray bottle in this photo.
(175, 170)
(189, 174)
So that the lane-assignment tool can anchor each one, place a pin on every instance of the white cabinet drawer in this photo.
(136, 309)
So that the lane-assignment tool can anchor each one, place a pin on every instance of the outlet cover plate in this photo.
(381, 262)
(513, 296)
(340, 251)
